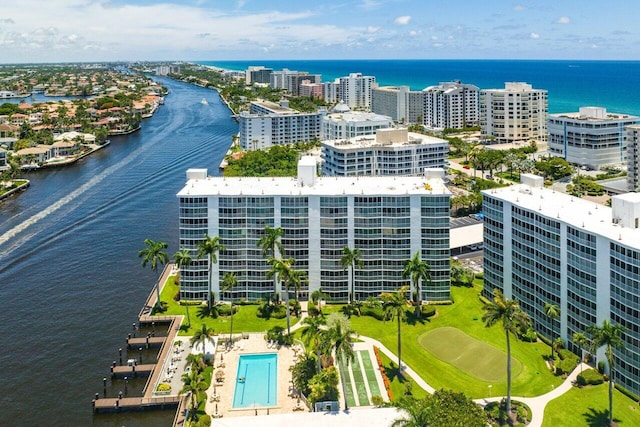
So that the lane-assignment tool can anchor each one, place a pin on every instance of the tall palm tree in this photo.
(394, 304)
(194, 385)
(196, 362)
(314, 333)
(341, 342)
(317, 296)
(281, 270)
(296, 279)
(228, 283)
(416, 415)
(271, 246)
(154, 254)
(183, 259)
(608, 335)
(510, 315)
(209, 247)
(581, 341)
(552, 311)
(419, 271)
(202, 336)
(351, 259)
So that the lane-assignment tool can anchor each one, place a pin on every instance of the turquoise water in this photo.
(260, 384)
(614, 85)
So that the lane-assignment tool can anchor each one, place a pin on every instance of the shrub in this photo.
(163, 387)
(377, 400)
(204, 420)
(590, 377)
(385, 378)
(374, 312)
(428, 310)
(225, 309)
(566, 365)
(563, 353)
(313, 311)
(529, 335)
(601, 367)
(627, 393)
(176, 297)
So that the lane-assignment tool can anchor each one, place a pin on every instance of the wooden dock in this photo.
(146, 342)
(132, 371)
(114, 404)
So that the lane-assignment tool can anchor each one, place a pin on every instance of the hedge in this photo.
(590, 377)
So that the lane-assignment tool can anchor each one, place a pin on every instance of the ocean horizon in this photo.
(571, 84)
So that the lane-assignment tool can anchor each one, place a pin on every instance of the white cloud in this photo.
(402, 20)
(563, 20)
(415, 33)
(519, 8)
(534, 35)
(372, 29)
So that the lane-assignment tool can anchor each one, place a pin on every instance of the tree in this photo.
(281, 270)
(154, 254)
(315, 333)
(228, 283)
(581, 341)
(442, 408)
(324, 385)
(351, 259)
(341, 342)
(296, 279)
(209, 247)
(418, 270)
(196, 362)
(194, 385)
(202, 336)
(513, 319)
(394, 304)
(270, 243)
(183, 259)
(302, 372)
(317, 296)
(609, 336)
(552, 311)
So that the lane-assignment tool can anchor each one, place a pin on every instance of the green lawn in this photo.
(398, 383)
(369, 371)
(589, 406)
(476, 358)
(245, 319)
(359, 385)
(534, 379)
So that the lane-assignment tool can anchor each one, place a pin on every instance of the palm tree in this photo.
(270, 243)
(202, 336)
(607, 335)
(315, 333)
(194, 385)
(416, 415)
(317, 296)
(394, 304)
(341, 342)
(296, 279)
(183, 259)
(513, 319)
(196, 362)
(418, 270)
(552, 311)
(209, 247)
(154, 254)
(581, 341)
(351, 259)
(228, 283)
(281, 270)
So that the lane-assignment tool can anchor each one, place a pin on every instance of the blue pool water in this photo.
(256, 381)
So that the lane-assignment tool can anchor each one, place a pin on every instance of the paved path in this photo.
(537, 404)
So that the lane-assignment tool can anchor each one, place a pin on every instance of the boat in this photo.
(204, 102)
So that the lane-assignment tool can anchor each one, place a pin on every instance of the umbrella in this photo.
(221, 357)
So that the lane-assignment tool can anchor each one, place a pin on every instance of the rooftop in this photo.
(595, 114)
(384, 138)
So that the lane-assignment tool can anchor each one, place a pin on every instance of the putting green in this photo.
(476, 358)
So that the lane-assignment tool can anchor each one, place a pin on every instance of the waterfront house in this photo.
(3, 160)
(38, 154)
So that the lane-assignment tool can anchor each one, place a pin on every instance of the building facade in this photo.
(633, 158)
(258, 74)
(342, 123)
(355, 90)
(515, 114)
(392, 101)
(538, 249)
(388, 219)
(591, 137)
(451, 105)
(267, 124)
(389, 152)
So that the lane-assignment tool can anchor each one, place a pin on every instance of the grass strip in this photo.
(348, 388)
(361, 388)
(370, 372)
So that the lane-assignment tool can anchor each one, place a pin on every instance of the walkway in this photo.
(537, 404)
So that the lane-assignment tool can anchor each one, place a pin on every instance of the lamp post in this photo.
(490, 386)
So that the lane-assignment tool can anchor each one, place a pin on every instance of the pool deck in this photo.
(369, 417)
(220, 394)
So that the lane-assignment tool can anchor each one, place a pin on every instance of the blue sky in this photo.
(99, 30)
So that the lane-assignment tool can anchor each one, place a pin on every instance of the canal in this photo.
(71, 284)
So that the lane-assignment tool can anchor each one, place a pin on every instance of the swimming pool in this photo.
(256, 381)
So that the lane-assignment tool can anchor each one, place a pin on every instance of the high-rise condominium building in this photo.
(388, 152)
(451, 105)
(591, 137)
(633, 158)
(515, 114)
(389, 219)
(355, 90)
(544, 246)
(267, 124)
(258, 74)
(392, 101)
(342, 123)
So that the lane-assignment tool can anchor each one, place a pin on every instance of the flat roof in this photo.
(323, 186)
(371, 140)
(610, 117)
(573, 211)
(357, 116)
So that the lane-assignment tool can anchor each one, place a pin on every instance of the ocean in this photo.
(614, 85)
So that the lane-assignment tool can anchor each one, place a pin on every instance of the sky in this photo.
(193, 30)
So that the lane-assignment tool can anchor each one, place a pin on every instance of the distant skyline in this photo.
(94, 30)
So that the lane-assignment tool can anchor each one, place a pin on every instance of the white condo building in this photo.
(343, 123)
(355, 90)
(591, 137)
(392, 101)
(268, 124)
(451, 105)
(544, 246)
(394, 152)
(633, 158)
(388, 218)
(515, 114)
